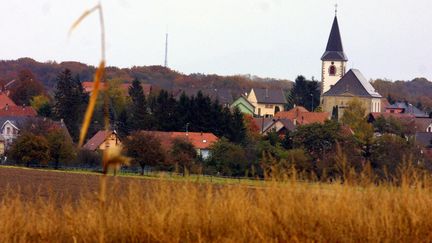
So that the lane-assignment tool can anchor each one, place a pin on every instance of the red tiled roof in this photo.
(303, 116)
(17, 111)
(88, 87)
(387, 115)
(198, 140)
(6, 101)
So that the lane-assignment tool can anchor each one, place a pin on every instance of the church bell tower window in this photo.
(332, 70)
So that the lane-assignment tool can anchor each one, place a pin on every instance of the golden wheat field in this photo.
(137, 210)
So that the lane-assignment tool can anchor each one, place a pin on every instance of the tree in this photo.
(227, 159)
(70, 102)
(237, 132)
(30, 149)
(139, 118)
(183, 154)
(388, 152)
(317, 139)
(45, 110)
(390, 99)
(390, 125)
(164, 111)
(61, 149)
(354, 117)
(28, 87)
(305, 93)
(38, 101)
(145, 149)
(287, 141)
(183, 112)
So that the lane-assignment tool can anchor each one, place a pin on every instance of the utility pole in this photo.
(312, 99)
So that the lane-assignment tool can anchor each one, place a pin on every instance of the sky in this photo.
(389, 39)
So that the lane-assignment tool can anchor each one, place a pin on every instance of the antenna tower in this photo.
(166, 50)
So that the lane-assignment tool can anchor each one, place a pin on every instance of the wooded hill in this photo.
(417, 92)
(158, 76)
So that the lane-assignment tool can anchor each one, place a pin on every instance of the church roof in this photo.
(334, 50)
(353, 83)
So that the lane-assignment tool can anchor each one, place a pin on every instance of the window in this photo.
(430, 129)
(259, 111)
(269, 106)
(332, 70)
(277, 109)
(8, 131)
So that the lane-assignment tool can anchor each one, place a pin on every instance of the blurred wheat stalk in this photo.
(99, 75)
(98, 78)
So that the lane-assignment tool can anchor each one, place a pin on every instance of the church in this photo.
(340, 86)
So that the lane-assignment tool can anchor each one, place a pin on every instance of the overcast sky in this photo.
(270, 38)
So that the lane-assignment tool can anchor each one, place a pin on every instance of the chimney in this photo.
(267, 95)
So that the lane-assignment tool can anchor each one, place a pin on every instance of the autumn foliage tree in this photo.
(27, 88)
(30, 149)
(183, 154)
(145, 149)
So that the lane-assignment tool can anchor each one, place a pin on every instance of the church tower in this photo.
(334, 59)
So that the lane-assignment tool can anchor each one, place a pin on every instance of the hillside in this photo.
(156, 75)
(417, 92)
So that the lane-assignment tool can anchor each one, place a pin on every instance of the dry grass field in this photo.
(43, 206)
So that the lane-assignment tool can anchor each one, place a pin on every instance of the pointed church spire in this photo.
(334, 50)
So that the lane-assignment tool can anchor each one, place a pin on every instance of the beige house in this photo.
(103, 140)
(267, 102)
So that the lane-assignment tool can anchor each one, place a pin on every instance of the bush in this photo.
(227, 159)
(183, 154)
(30, 149)
(89, 158)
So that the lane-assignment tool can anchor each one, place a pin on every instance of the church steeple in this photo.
(334, 59)
(334, 50)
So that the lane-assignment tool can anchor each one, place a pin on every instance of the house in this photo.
(88, 87)
(406, 108)
(280, 126)
(243, 104)
(423, 125)
(301, 116)
(424, 139)
(9, 131)
(17, 111)
(2, 145)
(201, 141)
(12, 125)
(5, 101)
(262, 123)
(102, 140)
(340, 87)
(267, 102)
(417, 124)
